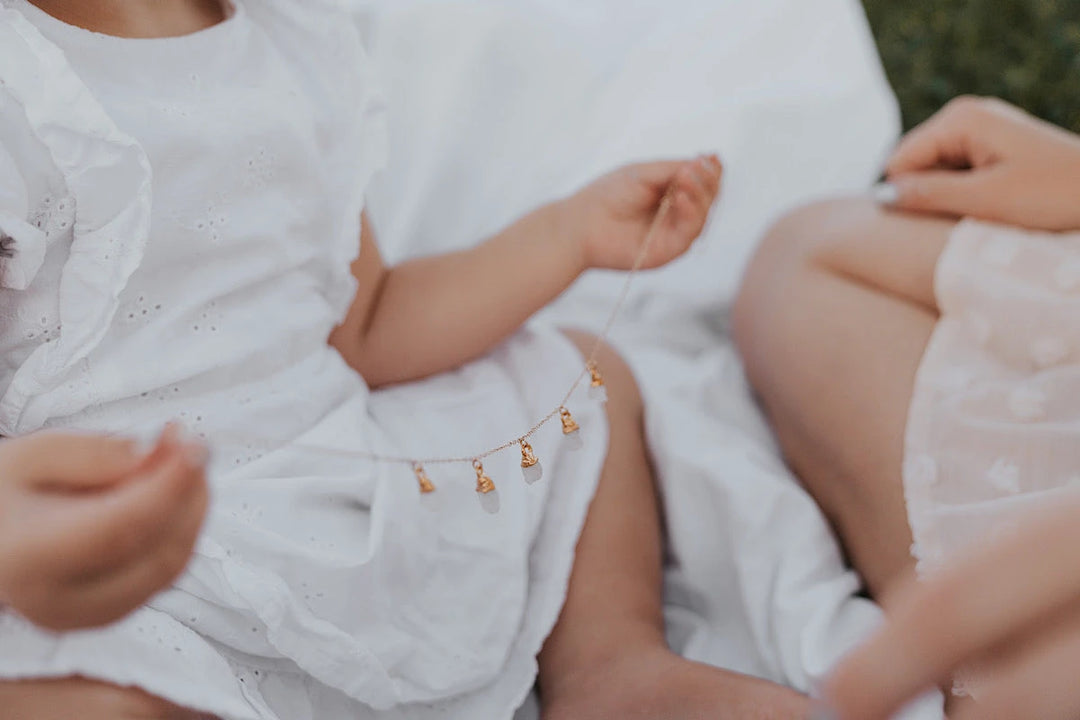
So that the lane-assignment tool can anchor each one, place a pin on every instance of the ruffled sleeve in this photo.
(22, 246)
(109, 178)
(324, 38)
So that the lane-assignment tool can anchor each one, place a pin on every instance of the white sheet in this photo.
(499, 106)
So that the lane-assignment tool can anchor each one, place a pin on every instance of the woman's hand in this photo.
(1012, 611)
(984, 158)
(84, 699)
(90, 528)
(612, 216)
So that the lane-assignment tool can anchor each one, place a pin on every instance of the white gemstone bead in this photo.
(533, 474)
(490, 502)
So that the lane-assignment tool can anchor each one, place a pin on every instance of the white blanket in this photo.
(499, 106)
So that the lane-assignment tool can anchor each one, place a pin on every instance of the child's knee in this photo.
(621, 384)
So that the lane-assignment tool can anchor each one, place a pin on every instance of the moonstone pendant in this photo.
(490, 502)
(533, 474)
(598, 393)
(433, 502)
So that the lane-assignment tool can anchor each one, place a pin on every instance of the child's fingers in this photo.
(169, 440)
(125, 523)
(70, 461)
(661, 174)
(657, 175)
(114, 568)
(684, 223)
(710, 170)
(690, 184)
(109, 597)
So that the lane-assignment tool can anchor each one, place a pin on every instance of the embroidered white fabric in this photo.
(183, 213)
(1000, 372)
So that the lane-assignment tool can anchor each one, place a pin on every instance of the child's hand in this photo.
(90, 528)
(612, 216)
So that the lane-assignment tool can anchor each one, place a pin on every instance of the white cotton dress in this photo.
(994, 425)
(183, 213)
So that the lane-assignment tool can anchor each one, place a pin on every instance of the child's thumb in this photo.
(73, 461)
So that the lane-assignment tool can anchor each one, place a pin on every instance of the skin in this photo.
(1016, 619)
(984, 158)
(137, 18)
(850, 286)
(474, 299)
(607, 657)
(90, 527)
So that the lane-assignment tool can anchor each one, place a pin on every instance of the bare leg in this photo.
(832, 322)
(607, 657)
(86, 699)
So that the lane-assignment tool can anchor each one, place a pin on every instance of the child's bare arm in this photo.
(434, 314)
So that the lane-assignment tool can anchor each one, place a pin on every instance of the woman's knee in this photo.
(853, 239)
(807, 238)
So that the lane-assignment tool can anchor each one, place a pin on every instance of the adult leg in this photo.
(832, 321)
(607, 656)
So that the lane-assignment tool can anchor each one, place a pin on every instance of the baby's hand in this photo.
(613, 215)
(90, 528)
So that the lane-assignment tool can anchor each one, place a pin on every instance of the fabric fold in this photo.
(109, 177)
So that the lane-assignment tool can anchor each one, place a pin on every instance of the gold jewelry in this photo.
(569, 425)
(528, 457)
(426, 486)
(594, 372)
(485, 486)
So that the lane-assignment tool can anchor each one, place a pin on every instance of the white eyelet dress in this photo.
(183, 213)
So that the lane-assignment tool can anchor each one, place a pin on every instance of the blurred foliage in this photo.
(1025, 51)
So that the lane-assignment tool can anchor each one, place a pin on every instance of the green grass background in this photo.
(1025, 51)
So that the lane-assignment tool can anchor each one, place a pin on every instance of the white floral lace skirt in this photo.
(994, 425)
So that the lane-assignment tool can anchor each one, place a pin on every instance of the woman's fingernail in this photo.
(885, 193)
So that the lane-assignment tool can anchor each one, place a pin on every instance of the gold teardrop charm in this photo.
(486, 490)
(528, 457)
(597, 390)
(426, 486)
(597, 378)
(569, 425)
(484, 484)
